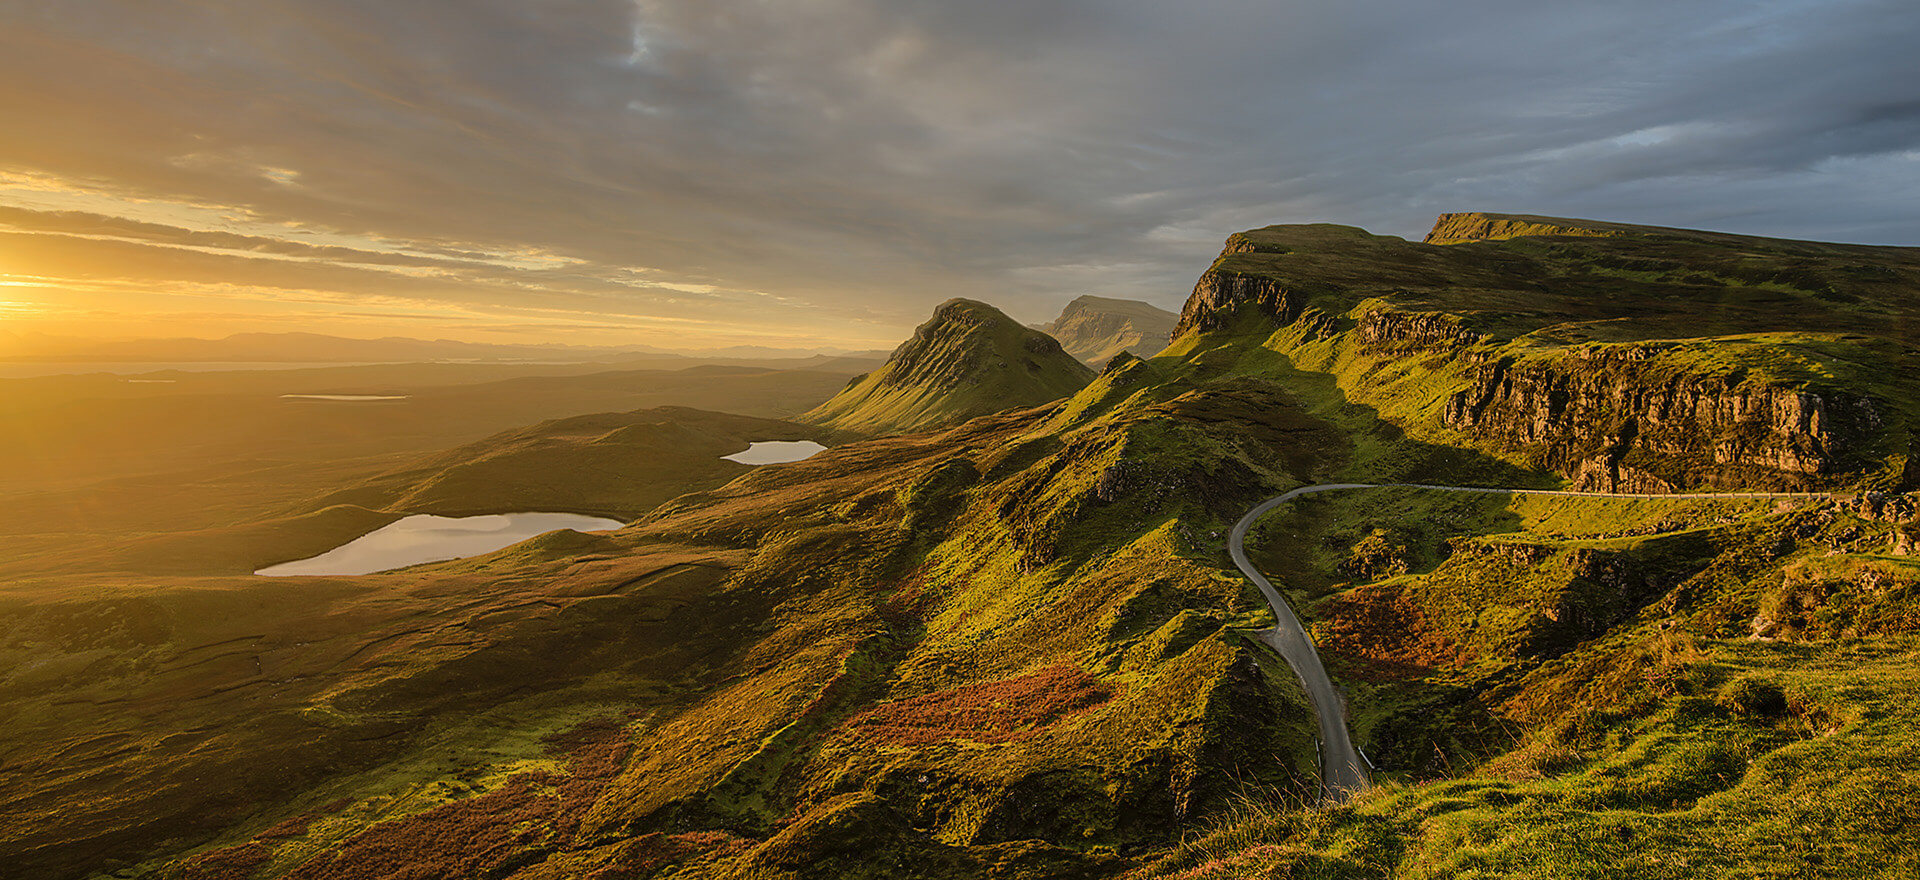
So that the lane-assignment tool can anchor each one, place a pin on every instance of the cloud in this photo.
(843, 161)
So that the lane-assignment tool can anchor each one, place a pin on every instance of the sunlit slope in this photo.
(1024, 629)
(1016, 648)
(1600, 688)
(1643, 359)
(967, 360)
(153, 711)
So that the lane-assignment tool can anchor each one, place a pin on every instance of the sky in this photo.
(700, 173)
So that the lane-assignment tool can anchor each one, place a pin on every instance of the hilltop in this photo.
(1095, 328)
(1015, 647)
(968, 360)
(1618, 357)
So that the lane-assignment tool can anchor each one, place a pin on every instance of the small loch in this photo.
(776, 452)
(427, 538)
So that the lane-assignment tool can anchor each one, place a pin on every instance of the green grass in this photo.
(968, 360)
(1649, 750)
(1014, 647)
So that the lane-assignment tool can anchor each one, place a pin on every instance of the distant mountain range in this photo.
(318, 348)
(1091, 328)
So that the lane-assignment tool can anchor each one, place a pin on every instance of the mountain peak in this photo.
(969, 359)
(1095, 328)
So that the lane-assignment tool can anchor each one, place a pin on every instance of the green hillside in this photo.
(1015, 647)
(968, 360)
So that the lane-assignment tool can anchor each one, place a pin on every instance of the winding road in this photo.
(1342, 769)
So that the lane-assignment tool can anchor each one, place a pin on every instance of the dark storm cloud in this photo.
(863, 158)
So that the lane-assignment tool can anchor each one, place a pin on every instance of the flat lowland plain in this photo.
(93, 467)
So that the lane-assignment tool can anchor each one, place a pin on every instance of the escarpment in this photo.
(1619, 420)
(1221, 295)
(1395, 330)
(1018, 646)
(1477, 226)
(1620, 358)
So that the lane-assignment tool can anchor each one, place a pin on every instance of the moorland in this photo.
(994, 630)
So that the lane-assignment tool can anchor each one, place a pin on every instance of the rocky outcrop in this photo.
(1398, 331)
(1607, 353)
(1221, 295)
(1619, 420)
(1597, 590)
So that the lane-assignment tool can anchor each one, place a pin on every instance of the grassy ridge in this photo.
(1598, 688)
(1013, 647)
(967, 360)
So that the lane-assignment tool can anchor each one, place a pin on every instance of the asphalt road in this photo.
(1342, 770)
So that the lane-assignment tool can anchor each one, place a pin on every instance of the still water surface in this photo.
(776, 452)
(426, 538)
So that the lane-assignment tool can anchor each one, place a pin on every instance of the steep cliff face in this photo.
(1094, 329)
(968, 360)
(1620, 419)
(1222, 295)
(1015, 649)
(1388, 330)
(1621, 358)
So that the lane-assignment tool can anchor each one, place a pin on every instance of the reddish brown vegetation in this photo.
(998, 711)
(469, 838)
(227, 863)
(240, 862)
(293, 827)
(645, 855)
(489, 834)
(1376, 633)
(595, 749)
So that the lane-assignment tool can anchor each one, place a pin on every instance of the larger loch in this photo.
(427, 538)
